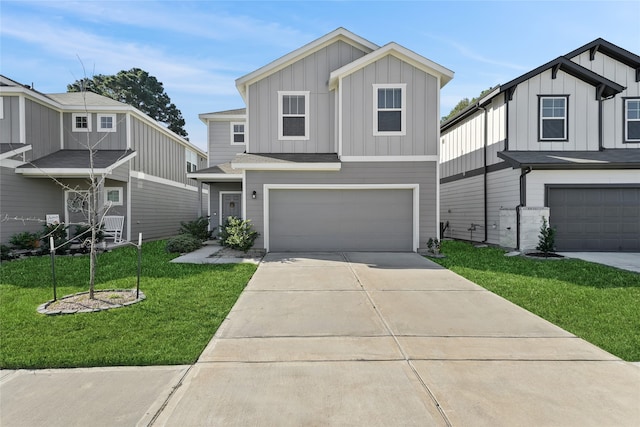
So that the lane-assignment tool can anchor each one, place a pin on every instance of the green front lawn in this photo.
(184, 307)
(598, 303)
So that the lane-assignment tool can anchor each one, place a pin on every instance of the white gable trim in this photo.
(399, 52)
(15, 152)
(291, 166)
(339, 34)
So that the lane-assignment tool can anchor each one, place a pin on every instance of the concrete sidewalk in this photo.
(393, 339)
(623, 260)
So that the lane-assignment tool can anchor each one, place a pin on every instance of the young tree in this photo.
(139, 89)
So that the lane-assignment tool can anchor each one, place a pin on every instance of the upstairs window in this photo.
(389, 116)
(293, 115)
(632, 120)
(192, 160)
(237, 133)
(106, 122)
(81, 122)
(553, 118)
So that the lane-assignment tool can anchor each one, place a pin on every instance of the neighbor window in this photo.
(106, 122)
(389, 116)
(81, 122)
(632, 120)
(553, 118)
(237, 133)
(192, 161)
(113, 196)
(293, 112)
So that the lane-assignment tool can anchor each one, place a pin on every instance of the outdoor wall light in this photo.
(254, 194)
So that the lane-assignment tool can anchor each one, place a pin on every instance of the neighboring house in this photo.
(336, 150)
(562, 141)
(43, 138)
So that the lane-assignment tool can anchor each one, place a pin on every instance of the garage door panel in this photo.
(328, 220)
(595, 219)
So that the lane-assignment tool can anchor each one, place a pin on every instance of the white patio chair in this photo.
(113, 225)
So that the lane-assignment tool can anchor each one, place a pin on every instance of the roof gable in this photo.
(611, 50)
(400, 52)
(339, 34)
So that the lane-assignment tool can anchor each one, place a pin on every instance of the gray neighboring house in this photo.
(43, 137)
(337, 148)
(561, 141)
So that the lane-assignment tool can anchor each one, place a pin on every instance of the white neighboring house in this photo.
(561, 141)
(43, 137)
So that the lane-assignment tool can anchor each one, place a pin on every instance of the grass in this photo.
(185, 305)
(598, 303)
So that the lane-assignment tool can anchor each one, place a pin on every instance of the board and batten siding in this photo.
(157, 209)
(462, 146)
(10, 121)
(358, 109)
(220, 148)
(582, 114)
(158, 154)
(101, 140)
(311, 73)
(371, 173)
(27, 198)
(42, 129)
(503, 191)
(613, 114)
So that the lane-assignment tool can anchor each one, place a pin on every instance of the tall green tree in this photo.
(464, 103)
(139, 89)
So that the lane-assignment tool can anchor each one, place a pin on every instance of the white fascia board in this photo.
(61, 172)
(339, 34)
(15, 152)
(399, 52)
(19, 90)
(206, 118)
(288, 166)
(389, 158)
(215, 176)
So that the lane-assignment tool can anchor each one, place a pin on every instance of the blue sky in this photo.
(198, 49)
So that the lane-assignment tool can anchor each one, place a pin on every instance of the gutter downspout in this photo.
(599, 91)
(486, 210)
(523, 196)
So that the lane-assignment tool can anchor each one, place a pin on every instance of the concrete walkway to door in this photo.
(364, 339)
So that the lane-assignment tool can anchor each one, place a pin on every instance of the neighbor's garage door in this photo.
(595, 219)
(341, 220)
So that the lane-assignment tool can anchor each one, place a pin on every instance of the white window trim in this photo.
(1, 107)
(194, 156)
(73, 122)
(112, 203)
(281, 137)
(565, 118)
(627, 120)
(232, 124)
(403, 109)
(113, 121)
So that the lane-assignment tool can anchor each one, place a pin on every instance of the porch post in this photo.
(199, 198)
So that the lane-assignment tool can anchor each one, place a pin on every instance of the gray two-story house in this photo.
(45, 163)
(336, 149)
(561, 142)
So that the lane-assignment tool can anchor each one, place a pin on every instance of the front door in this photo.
(231, 205)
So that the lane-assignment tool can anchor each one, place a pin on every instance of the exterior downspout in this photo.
(599, 90)
(484, 172)
(523, 196)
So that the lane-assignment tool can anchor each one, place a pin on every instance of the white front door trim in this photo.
(414, 187)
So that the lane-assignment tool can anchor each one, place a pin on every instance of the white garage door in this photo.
(340, 220)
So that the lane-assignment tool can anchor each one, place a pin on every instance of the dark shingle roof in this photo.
(78, 159)
(286, 158)
(616, 158)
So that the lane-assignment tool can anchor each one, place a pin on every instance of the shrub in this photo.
(238, 234)
(183, 243)
(198, 228)
(547, 238)
(25, 240)
(59, 234)
(5, 253)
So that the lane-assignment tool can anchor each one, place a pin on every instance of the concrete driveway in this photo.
(381, 339)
